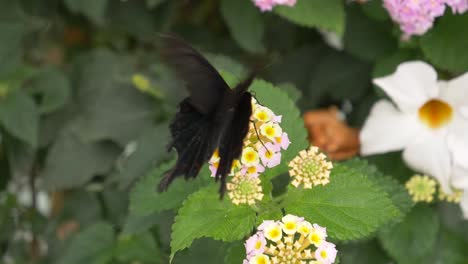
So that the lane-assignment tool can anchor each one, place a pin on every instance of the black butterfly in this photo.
(212, 116)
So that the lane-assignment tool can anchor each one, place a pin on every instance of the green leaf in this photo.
(366, 252)
(245, 24)
(445, 45)
(93, 245)
(451, 249)
(328, 15)
(95, 10)
(350, 206)
(204, 215)
(19, 116)
(206, 251)
(72, 162)
(150, 149)
(145, 200)
(396, 191)
(366, 38)
(388, 64)
(154, 3)
(53, 87)
(111, 108)
(139, 248)
(279, 102)
(235, 253)
(414, 238)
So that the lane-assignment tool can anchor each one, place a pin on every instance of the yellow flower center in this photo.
(250, 156)
(278, 140)
(435, 113)
(262, 116)
(258, 245)
(270, 131)
(268, 154)
(323, 254)
(274, 233)
(252, 170)
(290, 226)
(315, 238)
(261, 261)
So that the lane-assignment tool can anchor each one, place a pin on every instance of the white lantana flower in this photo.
(428, 121)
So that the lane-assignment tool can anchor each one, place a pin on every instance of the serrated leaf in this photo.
(395, 190)
(414, 238)
(145, 200)
(350, 206)
(245, 24)
(445, 45)
(53, 87)
(19, 116)
(95, 10)
(328, 15)
(204, 215)
(92, 245)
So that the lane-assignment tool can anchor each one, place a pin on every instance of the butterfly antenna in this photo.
(258, 136)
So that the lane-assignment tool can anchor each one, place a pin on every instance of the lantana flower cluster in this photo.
(291, 240)
(267, 5)
(310, 168)
(262, 149)
(416, 17)
(422, 188)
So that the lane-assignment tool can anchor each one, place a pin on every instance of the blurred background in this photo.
(85, 104)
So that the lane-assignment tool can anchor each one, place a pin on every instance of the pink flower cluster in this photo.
(267, 5)
(291, 240)
(262, 145)
(416, 17)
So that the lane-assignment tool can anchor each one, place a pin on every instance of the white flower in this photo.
(428, 121)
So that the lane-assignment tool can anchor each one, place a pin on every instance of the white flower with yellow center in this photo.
(260, 259)
(317, 235)
(273, 232)
(250, 157)
(271, 130)
(304, 228)
(428, 121)
(263, 114)
(290, 224)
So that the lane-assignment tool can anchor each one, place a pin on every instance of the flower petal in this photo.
(430, 154)
(387, 129)
(458, 139)
(460, 178)
(412, 84)
(455, 91)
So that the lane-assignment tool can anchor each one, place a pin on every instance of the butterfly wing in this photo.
(231, 143)
(193, 140)
(204, 84)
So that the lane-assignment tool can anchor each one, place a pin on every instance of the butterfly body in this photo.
(212, 117)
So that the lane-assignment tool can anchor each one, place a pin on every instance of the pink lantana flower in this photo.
(255, 244)
(283, 141)
(252, 171)
(326, 253)
(270, 155)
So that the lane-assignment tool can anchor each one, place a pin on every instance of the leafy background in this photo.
(74, 126)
